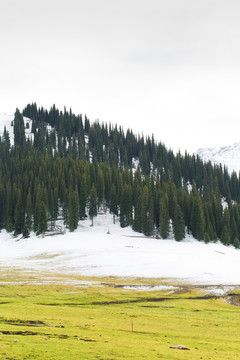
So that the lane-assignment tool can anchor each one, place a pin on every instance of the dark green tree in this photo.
(73, 210)
(113, 202)
(29, 211)
(19, 215)
(225, 236)
(126, 206)
(82, 196)
(147, 220)
(164, 224)
(197, 215)
(42, 220)
(137, 221)
(178, 224)
(19, 130)
(93, 203)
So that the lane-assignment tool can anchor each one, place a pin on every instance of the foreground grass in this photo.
(68, 322)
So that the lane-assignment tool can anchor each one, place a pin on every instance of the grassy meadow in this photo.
(54, 321)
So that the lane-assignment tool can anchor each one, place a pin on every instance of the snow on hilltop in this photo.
(225, 155)
(107, 249)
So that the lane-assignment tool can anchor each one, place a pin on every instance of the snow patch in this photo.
(221, 291)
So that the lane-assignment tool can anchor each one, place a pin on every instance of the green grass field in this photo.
(104, 322)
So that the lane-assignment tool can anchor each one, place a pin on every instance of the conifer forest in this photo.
(71, 169)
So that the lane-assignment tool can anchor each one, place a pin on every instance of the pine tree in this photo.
(178, 224)
(100, 187)
(113, 202)
(82, 196)
(164, 225)
(225, 236)
(226, 229)
(197, 224)
(9, 207)
(93, 203)
(147, 221)
(29, 211)
(19, 131)
(36, 210)
(137, 221)
(234, 230)
(2, 206)
(25, 232)
(126, 206)
(236, 243)
(18, 215)
(42, 220)
(73, 210)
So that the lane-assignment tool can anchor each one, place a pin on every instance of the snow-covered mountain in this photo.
(228, 156)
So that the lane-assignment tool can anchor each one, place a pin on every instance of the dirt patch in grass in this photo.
(22, 333)
(18, 322)
(46, 336)
(157, 299)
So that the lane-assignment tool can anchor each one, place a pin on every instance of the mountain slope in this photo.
(228, 156)
(45, 191)
(71, 167)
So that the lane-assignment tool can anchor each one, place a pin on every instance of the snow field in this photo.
(91, 251)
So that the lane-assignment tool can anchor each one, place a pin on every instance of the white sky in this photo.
(168, 67)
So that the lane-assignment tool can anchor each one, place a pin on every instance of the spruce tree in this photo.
(2, 206)
(113, 202)
(197, 217)
(36, 210)
(137, 221)
(19, 131)
(146, 212)
(225, 236)
(178, 224)
(25, 233)
(126, 206)
(42, 220)
(236, 243)
(29, 211)
(100, 187)
(82, 196)
(9, 207)
(18, 215)
(164, 224)
(73, 210)
(93, 203)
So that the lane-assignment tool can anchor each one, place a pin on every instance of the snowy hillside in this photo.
(226, 155)
(106, 249)
(7, 121)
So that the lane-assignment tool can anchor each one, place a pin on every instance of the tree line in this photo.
(71, 168)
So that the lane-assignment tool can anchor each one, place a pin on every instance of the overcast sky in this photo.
(167, 67)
